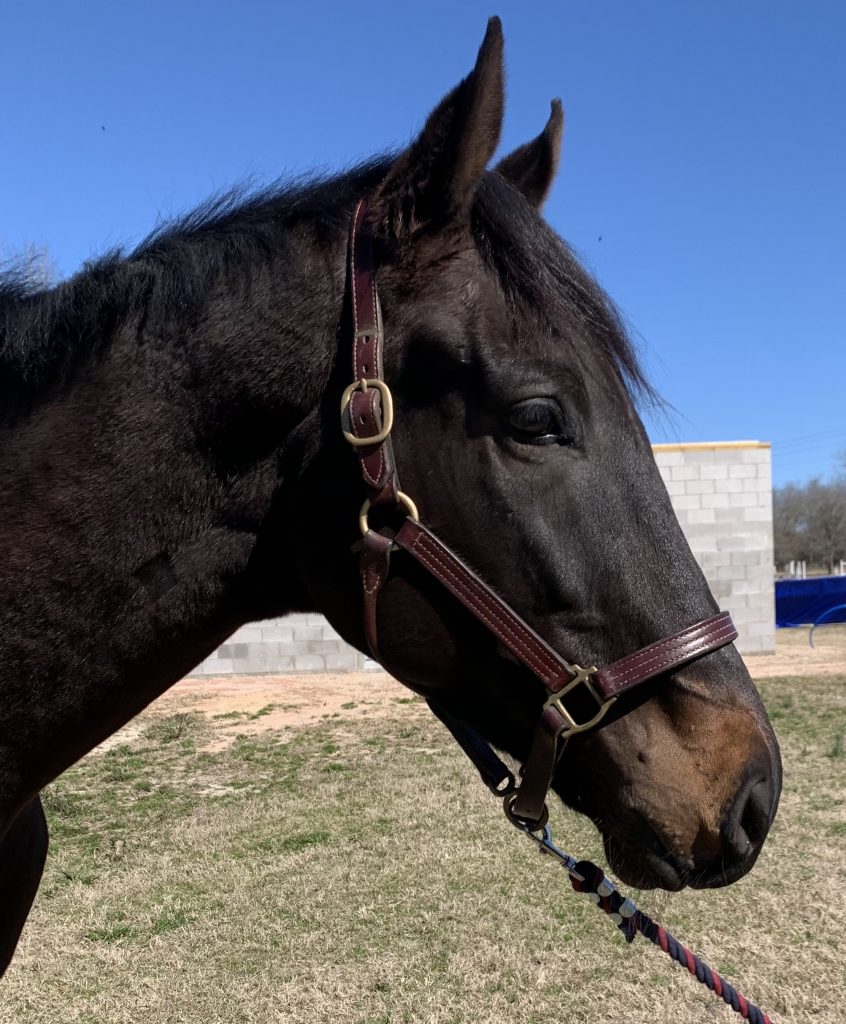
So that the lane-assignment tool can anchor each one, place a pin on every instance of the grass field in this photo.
(350, 867)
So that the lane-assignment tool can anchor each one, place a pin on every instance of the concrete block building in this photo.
(295, 644)
(722, 495)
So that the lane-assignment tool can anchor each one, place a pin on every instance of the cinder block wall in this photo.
(297, 643)
(722, 494)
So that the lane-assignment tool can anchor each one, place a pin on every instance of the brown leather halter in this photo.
(367, 419)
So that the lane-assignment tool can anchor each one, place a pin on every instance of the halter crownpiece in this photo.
(367, 417)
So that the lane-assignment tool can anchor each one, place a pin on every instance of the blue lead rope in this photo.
(587, 878)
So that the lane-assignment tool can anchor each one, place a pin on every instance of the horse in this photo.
(173, 468)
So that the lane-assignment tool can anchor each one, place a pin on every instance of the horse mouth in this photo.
(642, 859)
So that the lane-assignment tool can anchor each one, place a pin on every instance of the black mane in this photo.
(45, 331)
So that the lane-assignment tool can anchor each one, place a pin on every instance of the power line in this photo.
(810, 439)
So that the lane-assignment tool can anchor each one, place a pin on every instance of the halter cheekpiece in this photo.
(367, 417)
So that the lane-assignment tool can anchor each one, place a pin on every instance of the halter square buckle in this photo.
(387, 412)
(581, 677)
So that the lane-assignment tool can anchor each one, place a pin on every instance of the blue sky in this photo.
(702, 180)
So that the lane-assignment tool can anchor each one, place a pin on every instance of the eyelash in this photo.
(526, 417)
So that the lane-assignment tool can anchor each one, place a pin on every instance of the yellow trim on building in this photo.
(687, 445)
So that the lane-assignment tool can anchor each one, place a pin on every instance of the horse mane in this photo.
(46, 331)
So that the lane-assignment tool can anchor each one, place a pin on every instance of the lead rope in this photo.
(585, 876)
(588, 879)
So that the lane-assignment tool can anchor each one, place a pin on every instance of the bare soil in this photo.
(795, 657)
(238, 705)
(251, 705)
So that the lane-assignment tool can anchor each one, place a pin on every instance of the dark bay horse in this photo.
(173, 467)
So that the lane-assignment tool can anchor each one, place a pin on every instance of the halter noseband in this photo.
(367, 420)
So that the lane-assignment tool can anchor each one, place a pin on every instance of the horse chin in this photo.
(647, 870)
(638, 858)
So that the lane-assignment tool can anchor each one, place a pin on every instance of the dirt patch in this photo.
(795, 657)
(239, 705)
(251, 705)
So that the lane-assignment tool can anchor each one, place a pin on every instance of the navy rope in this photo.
(587, 878)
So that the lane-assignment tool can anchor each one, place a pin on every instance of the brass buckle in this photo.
(402, 499)
(387, 411)
(581, 677)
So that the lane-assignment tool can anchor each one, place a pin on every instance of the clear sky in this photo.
(702, 182)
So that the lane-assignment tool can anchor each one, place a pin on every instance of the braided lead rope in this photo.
(587, 878)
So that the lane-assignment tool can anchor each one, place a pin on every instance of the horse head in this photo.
(516, 432)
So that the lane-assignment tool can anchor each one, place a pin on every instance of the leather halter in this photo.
(367, 419)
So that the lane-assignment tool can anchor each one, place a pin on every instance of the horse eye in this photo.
(538, 421)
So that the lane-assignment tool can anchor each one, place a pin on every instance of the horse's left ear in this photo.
(532, 167)
(432, 183)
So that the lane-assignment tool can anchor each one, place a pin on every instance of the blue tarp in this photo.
(803, 602)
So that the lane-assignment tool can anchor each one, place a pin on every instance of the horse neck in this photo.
(133, 502)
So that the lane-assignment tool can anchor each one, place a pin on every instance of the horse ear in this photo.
(432, 182)
(531, 168)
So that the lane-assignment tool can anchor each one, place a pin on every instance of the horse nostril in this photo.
(749, 817)
(755, 820)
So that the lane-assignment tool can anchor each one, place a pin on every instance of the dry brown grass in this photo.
(794, 656)
(352, 868)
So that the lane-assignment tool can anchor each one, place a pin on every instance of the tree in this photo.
(826, 516)
(790, 532)
(809, 522)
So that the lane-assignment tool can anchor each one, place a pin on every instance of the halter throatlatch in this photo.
(367, 417)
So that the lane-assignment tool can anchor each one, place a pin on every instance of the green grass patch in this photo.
(111, 933)
(302, 840)
(169, 922)
(172, 728)
(262, 712)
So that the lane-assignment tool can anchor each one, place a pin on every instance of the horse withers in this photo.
(173, 467)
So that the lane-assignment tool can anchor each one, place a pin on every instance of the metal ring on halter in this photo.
(522, 823)
(402, 499)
